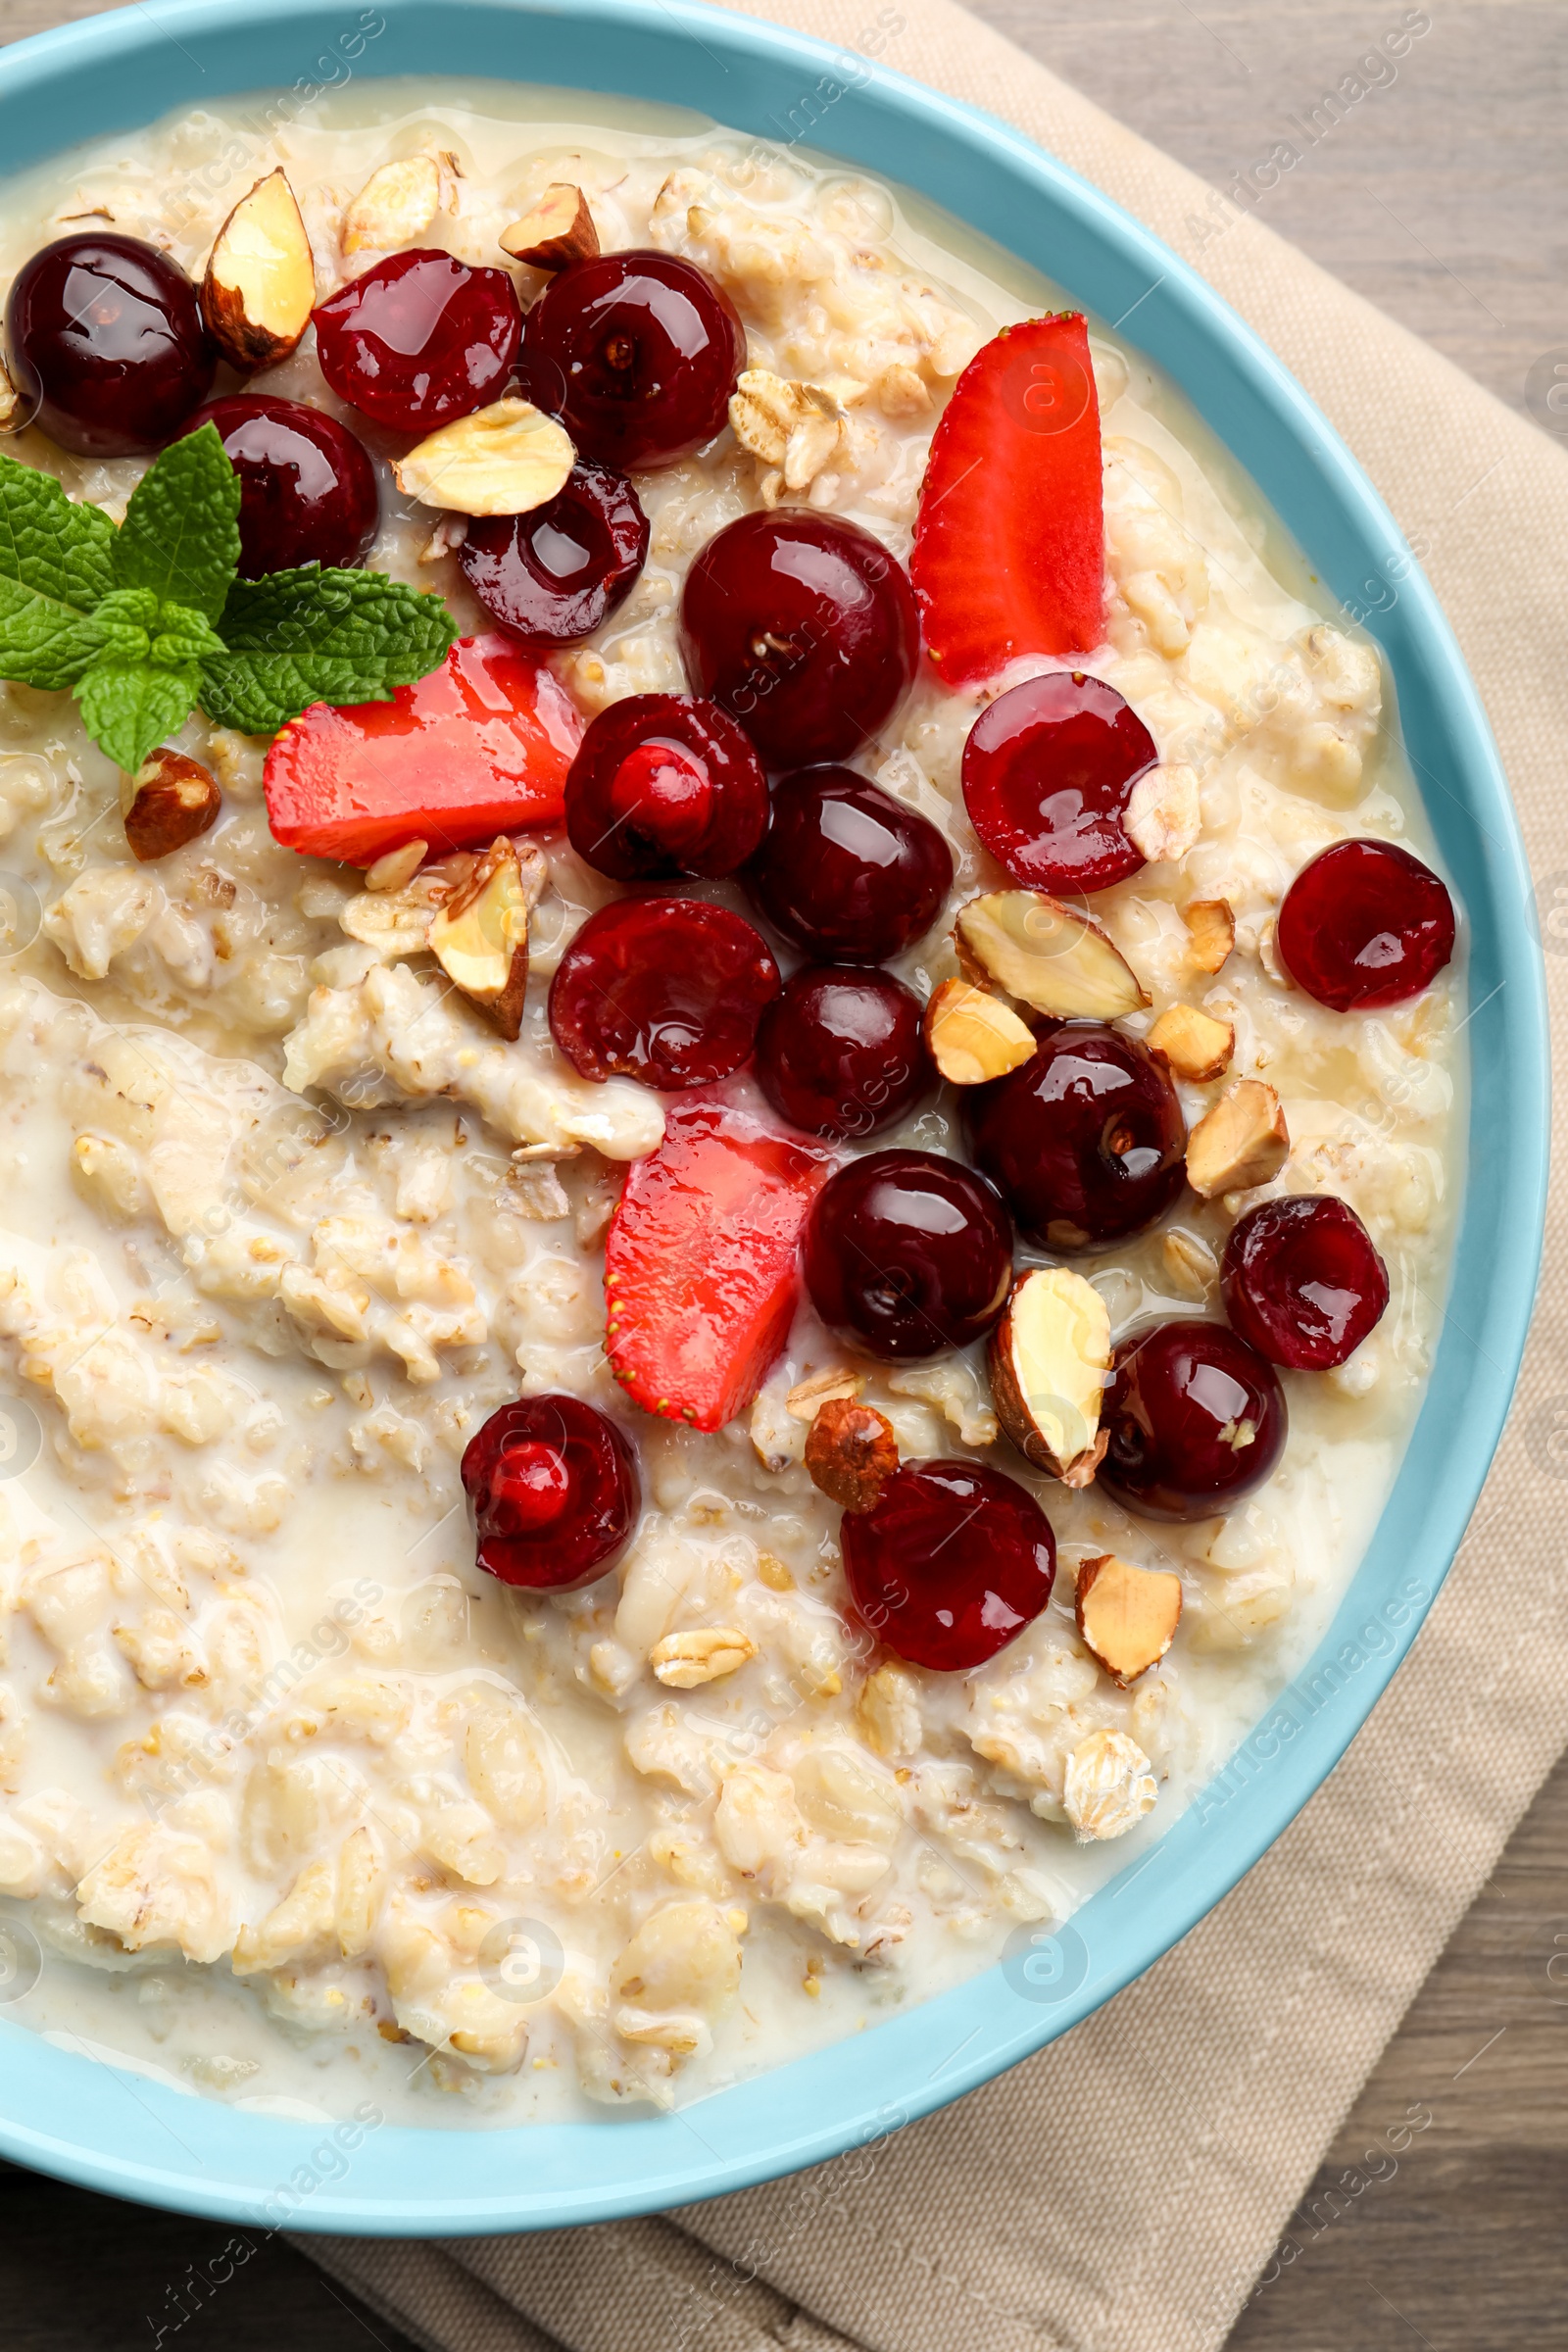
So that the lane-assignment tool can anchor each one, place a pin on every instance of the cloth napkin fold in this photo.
(1121, 2192)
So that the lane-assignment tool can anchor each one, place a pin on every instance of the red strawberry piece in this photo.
(701, 1262)
(1009, 543)
(479, 746)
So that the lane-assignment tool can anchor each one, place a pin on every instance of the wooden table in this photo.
(1442, 198)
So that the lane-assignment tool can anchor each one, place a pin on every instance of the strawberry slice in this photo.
(1009, 543)
(479, 746)
(701, 1263)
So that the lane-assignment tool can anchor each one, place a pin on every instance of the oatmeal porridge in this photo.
(693, 1317)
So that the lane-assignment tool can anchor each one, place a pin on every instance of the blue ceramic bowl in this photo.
(121, 2132)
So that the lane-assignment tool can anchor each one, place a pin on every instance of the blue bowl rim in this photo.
(100, 2125)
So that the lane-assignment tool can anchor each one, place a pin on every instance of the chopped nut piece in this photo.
(1214, 929)
(12, 419)
(1049, 954)
(260, 286)
(1195, 1045)
(397, 866)
(480, 938)
(555, 230)
(808, 1396)
(1050, 1357)
(1108, 1785)
(683, 1660)
(1191, 1266)
(1164, 816)
(445, 540)
(394, 204)
(1241, 1142)
(503, 460)
(850, 1454)
(168, 802)
(972, 1036)
(1127, 1616)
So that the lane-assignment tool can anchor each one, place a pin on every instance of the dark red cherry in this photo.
(953, 1563)
(806, 627)
(908, 1254)
(308, 491)
(420, 339)
(665, 785)
(1302, 1281)
(555, 1492)
(840, 1053)
(637, 353)
(665, 989)
(1086, 1142)
(1048, 773)
(552, 575)
(846, 871)
(1364, 923)
(107, 350)
(1194, 1420)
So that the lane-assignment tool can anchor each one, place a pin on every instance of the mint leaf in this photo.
(128, 708)
(41, 643)
(181, 536)
(311, 636)
(48, 544)
(120, 629)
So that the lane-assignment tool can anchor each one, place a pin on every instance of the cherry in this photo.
(420, 339)
(1302, 1281)
(1364, 923)
(1194, 1417)
(950, 1566)
(555, 1492)
(1086, 1140)
(552, 575)
(908, 1254)
(846, 871)
(841, 1053)
(663, 785)
(308, 491)
(665, 989)
(1048, 771)
(637, 353)
(805, 626)
(108, 349)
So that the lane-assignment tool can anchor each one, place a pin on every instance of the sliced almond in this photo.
(683, 1660)
(168, 802)
(1164, 816)
(1195, 1043)
(504, 460)
(972, 1036)
(1214, 929)
(395, 867)
(1241, 1142)
(1127, 1616)
(396, 205)
(1050, 1357)
(12, 409)
(260, 286)
(808, 1396)
(1048, 955)
(480, 938)
(553, 232)
(850, 1454)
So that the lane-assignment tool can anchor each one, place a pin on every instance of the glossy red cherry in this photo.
(107, 350)
(555, 1492)
(637, 353)
(953, 1563)
(1364, 923)
(908, 1254)
(421, 338)
(1086, 1142)
(1302, 1281)
(1194, 1419)
(1048, 773)
(846, 871)
(665, 785)
(840, 1053)
(806, 627)
(308, 491)
(665, 989)
(552, 575)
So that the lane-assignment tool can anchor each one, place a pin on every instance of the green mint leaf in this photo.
(181, 636)
(129, 708)
(122, 628)
(181, 536)
(49, 544)
(309, 636)
(41, 643)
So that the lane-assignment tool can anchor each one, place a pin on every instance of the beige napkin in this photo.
(1121, 2192)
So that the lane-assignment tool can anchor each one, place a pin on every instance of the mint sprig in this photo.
(147, 622)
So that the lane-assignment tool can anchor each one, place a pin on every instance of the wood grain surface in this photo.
(1438, 2216)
